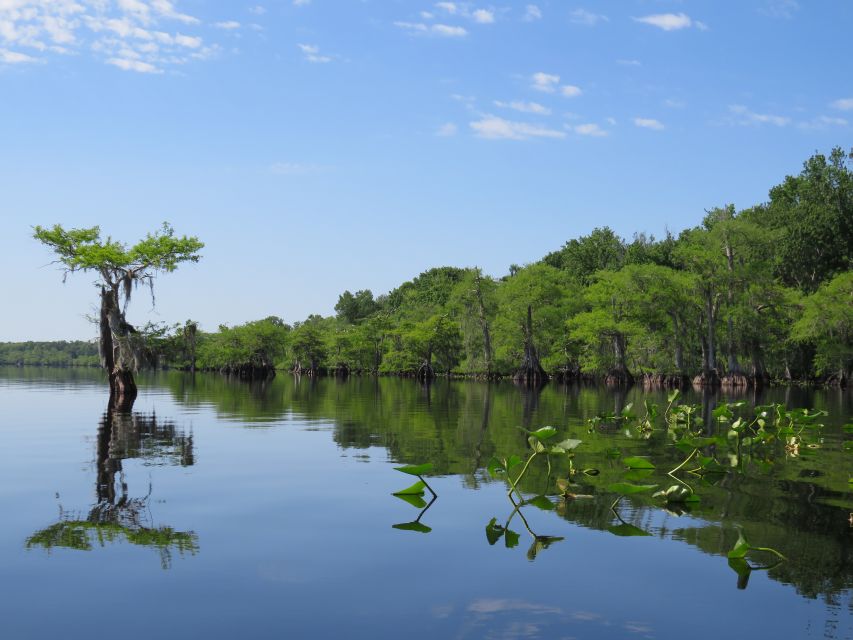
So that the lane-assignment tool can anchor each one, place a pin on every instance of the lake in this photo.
(223, 509)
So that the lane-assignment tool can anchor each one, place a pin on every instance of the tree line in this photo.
(746, 297)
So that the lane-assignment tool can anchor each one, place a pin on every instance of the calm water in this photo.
(221, 509)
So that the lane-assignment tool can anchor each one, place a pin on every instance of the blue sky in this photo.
(318, 146)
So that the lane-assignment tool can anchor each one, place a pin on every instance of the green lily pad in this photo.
(415, 469)
(627, 489)
(412, 526)
(638, 463)
(416, 489)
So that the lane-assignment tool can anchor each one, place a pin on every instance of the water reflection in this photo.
(116, 516)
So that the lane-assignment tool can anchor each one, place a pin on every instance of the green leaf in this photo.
(415, 469)
(673, 396)
(412, 526)
(638, 463)
(416, 489)
(511, 539)
(494, 466)
(740, 549)
(541, 502)
(543, 433)
(494, 531)
(626, 412)
(536, 444)
(699, 442)
(627, 489)
(566, 445)
(414, 499)
(627, 530)
(635, 475)
(512, 461)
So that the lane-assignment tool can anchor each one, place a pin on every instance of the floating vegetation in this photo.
(708, 449)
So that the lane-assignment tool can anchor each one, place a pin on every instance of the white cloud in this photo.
(546, 82)
(629, 62)
(426, 15)
(133, 35)
(674, 104)
(587, 18)
(449, 7)
(227, 25)
(589, 129)
(258, 10)
(531, 13)
(311, 53)
(524, 107)
(570, 90)
(133, 65)
(780, 8)
(844, 104)
(822, 122)
(446, 130)
(668, 21)
(448, 31)
(442, 30)
(14, 57)
(496, 128)
(649, 123)
(482, 16)
(743, 116)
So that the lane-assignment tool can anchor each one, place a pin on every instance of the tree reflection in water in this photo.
(116, 516)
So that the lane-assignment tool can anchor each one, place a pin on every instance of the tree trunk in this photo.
(116, 351)
(484, 324)
(709, 374)
(679, 350)
(620, 373)
(530, 372)
(733, 365)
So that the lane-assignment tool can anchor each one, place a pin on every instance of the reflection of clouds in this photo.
(494, 605)
(280, 574)
(585, 615)
(511, 619)
(637, 627)
(442, 611)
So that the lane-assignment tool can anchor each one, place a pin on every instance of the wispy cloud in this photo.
(524, 107)
(823, 122)
(587, 18)
(446, 130)
(449, 7)
(674, 104)
(301, 3)
(15, 57)
(146, 36)
(531, 13)
(441, 30)
(743, 116)
(311, 53)
(546, 82)
(496, 128)
(649, 123)
(258, 10)
(780, 8)
(483, 16)
(228, 25)
(629, 62)
(550, 83)
(671, 21)
(589, 129)
(844, 104)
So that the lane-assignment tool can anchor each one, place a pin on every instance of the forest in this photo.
(745, 298)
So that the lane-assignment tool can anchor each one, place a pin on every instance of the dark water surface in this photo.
(222, 509)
